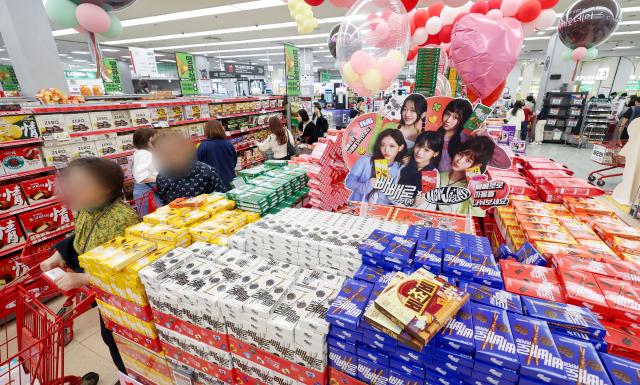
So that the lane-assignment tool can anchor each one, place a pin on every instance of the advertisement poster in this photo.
(8, 79)
(187, 73)
(292, 69)
(424, 158)
(143, 61)
(112, 82)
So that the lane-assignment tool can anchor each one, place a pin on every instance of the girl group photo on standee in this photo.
(425, 152)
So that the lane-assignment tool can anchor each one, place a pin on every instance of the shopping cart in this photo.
(144, 205)
(607, 154)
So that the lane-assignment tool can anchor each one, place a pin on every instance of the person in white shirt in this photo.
(144, 171)
(277, 141)
(516, 117)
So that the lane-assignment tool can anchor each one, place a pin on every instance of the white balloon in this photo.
(428, 2)
(528, 29)
(510, 7)
(546, 19)
(420, 36)
(454, 3)
(434, 25)
(495, 14)
(466, 7)
(448, 14)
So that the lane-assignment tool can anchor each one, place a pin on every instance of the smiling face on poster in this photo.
(431, 156)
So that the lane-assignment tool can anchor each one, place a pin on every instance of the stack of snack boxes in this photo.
(327, 171)
(270, 187)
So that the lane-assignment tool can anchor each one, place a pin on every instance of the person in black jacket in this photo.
(308, 129)
(320, 121)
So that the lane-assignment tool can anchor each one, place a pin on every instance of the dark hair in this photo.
(419, 104)
(142, 137)
(531, 99)
(213, 129)
(359, 99)
(397, 136)
(303, 115)
(463, 109)
(105, 171)
(632, 101)
(411, 175)
(601, 96)
(613, 94)
(623, 95)
(516, 106)
(318, 106)
(480, 148)
(275, 126)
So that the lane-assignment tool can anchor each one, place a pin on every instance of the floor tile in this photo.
(86, 325)
(96, 344)
(79, 360)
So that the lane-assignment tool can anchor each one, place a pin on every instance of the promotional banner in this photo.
(111, 77)
(187, 73)
(143, 61)
(422, 156)
(8, 79)
(292, 69)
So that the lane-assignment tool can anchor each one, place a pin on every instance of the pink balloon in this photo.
(495, 14)
(361, 61)
(390, 68)
(484, 51)
(93, 18)
(579, 53)
(338, 3)
(510, 7)
(80, 29)
(383, 30)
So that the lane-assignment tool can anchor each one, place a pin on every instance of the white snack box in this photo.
(121, 118)
(78, 122)
(101, 120)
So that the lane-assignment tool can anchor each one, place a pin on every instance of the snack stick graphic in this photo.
(376, 376)
(483, 264)
(581, 365)
(454, 258)
(489, 332)
(534, 343)
(341, 308)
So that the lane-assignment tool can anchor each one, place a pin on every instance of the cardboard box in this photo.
(562, 317)
(77, 122)
(45, 219)
(51, 124)
(159, 114)
(621, 371)
(101, 120)
(21, 159)
(39, 189)
(493, 297)
(11, 197)
(140, 117)
(121, 118)
(10, 233)
(56, 156)
(125, 143)
(107, 146)
(493, 339)
(533, 273)
(82, 150)
(538, 289)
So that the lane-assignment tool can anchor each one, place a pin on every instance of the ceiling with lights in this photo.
(254, 30)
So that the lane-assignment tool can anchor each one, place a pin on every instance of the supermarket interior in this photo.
(319, 192)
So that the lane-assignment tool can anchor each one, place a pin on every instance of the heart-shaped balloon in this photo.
(485, 50)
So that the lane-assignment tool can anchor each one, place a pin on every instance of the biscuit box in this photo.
(45, 219)
(17, 160)
(533, 273)
(528, 255)
(485, 270)
(621, 371)
(581, 362)
(568, 263)
(372, 373)
(56, 156)
(539, 357)
(371, 274)
(125, 143)
(622, 299)
(493, 297)
(343, 361)
(495, 372)
(457, 334)
(456, 262)
(78, 122)
(429, 256)
(101, 120)
(140, 117)
(82, 150)
(563, 317)
(39, 189)
(543, 290)
(626, 271)
(10, 233)
(375, 244)
(120, 118)
(347, 308)
(622, 340)
(400, 250)
(493, 339)
(582, 289)
(51, 124)
(107, 146)
(11, 197)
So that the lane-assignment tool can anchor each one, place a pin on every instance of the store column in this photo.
(555, 66)
(306, 72)
(26, 32)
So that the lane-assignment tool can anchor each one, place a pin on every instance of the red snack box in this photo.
(10, 233)
(546, 165)
(526, 218)
(622, 340)
(546, 227)
(45, 219)
(622, 299)
(608, 231)
(549, 249)
(578, 229)
(543, 290)
(20, 159)
(582, 289)
(626, 270)
(11, 197)
(570, 263)
(625, 245)
(537, 176)
(39, 189)
(548, 236)
(513, 269)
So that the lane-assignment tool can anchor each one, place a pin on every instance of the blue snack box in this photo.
(343, 361)
(417, 231)
(347, 346)
(486, 271)
(347, 308)
(621, 370)
(407, 356)
(598, 344)
(373, 355)
(581, 361)
(370, 274)
(437, 235)
(504, 252)
(487, 379)
(382, 264)
(494, 342)
(411, 370)
(457, 334)
(400, 250)
(493, 297)
(379, 339)
(539, 357)
(398, 377)
(440, 375)
(375, 244)
(564, 316)
(429, 256)
(496, 372)
(463, 371)
(345, 334)
(372, 373)
(456, 263)
(454, 357)
(528, 255)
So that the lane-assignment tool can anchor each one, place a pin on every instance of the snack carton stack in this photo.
(143, 365)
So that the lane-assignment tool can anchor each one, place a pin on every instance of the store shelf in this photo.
(39, 238)
(247, 99)
(4, 178)
(243, 148)
(102, 132)
(173, 103)
(16, 112)
(28, 208)
(16, 143)
(119, 154)
(226, 116)
(248, 130)
(192, 121)
(60, 108)
(252, 163)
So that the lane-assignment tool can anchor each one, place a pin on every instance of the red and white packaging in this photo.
(622, 298)
(537, 176)
(581, 289)
(45, 219)
(570, 186)
(10, 233)
(11, 197)
(39, 189)
(21, 159)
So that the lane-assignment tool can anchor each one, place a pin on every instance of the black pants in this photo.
(107, 337)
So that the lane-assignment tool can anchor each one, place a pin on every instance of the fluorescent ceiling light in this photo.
(624, 47)
(324, 50)
(328, 56)
(267, 59)
(62, 54)
(254, 55)
(80, 60)
(263, 40)
(168, 61)
(126, 57)
(538, 38)
(2, 49)
(311, 45)
(160, 55)
(626, 33)
(630, 22)
(109, 50)
(81, 52)
(540, 32)
(5, 58)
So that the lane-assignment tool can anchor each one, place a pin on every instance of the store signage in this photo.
(292, 69)
(8, 78)
(325, 76)
(79, 74)
(111, 77)
(603, 73)
(221, 75)
(244, 69)
(187, 73)
(143, 61)
(427, 69)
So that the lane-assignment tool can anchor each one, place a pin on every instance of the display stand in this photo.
(625, 190)
(596, 124)
(566, 110)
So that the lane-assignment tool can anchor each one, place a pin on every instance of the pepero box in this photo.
(485, 270)
(626, 270)
(457, 334)
(513, 269)
(456, 262)
(344, 361)
(581, 289)
(372, 373)
(400, 250)
(562, 317)
(622, 340)
(622, 299)
(347, 308)
(538, 289)
(493, 339)
(482, 368)
(549, 249)
(493, 297)
(375, 244)
(621, 371)
(528, 255)
(569, 263)
(539, 357)
(581, 362)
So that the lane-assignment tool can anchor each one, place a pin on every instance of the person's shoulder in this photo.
(123, 212)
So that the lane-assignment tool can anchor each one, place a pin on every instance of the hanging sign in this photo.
(427, 71)
(292, 69)
(8, 79)
(143, 61)
(187, 73)
(221, 75)
(244, 69)
(111, 77)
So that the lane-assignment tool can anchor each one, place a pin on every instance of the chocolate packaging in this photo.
(582, 364)
(621, 371)
(493, 297)
(493, 339)
(563, 318)
(457, 334)
(429, 256)
(348, 306)
(39, 190)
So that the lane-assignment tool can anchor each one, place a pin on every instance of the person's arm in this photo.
(162, 187)
(359, 179)
(142, 166)
(201, 153)
(215, 182)
(265, 145)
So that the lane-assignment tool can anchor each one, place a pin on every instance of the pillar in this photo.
(306, 72)
(555, 65)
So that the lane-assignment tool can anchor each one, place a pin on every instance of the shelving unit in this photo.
(566, 110)
(596, 123)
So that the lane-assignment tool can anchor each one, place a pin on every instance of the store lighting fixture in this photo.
(263, 40)
(81, 52)
(537, 38)
(626, 33)
(328, 56)
(5, 58)
(126, 57)
(62, 54)
(254, 55)
(160, 55)
(2, 50)
(168, 61)
(540, 32)
(323, 50)
(624, 47)
(109, 50)
(80, 60)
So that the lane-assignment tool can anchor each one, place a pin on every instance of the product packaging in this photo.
(20, 159)
(39, 189)
(11, 197)
(78, 122)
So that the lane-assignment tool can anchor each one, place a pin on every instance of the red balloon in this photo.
(412, 54)
(494, 4)
(529, 11)
(445, 33)
(490, 99)
(412, 25)
(409, 4)
(314, 3)
(435, 9)
(460, 16)
(546, 4)
(432, 39)
(420, 18)
(479, 7)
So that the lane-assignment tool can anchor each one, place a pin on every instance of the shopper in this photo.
(358, 109)
(218, 152)
(309, 131)
(530, 103)
(321, 123)
(632, 113)
(322, 101)
(92, 187)
(426, 157)
(278, 140)
(454, 116)
(180, 175)
(390, 146)
(144, 171)
(516, 117)
(412, 116)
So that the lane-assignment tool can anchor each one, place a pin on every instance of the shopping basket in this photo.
(607, 153)
(144, 205)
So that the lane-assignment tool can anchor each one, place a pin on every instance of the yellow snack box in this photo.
(167, 233)
(162, 216)
(190, 218)
(206, 231)
(138, 230)
(220, 205)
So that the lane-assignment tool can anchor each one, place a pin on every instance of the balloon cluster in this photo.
(88, 15)
(372, 63)
(580, 53)
(301, 12)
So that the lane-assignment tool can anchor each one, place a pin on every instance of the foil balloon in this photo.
(108, 5)
(372, 44)
(485, 50)
(332, 40)
(588, 23)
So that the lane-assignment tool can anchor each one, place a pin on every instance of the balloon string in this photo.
(101, 72)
